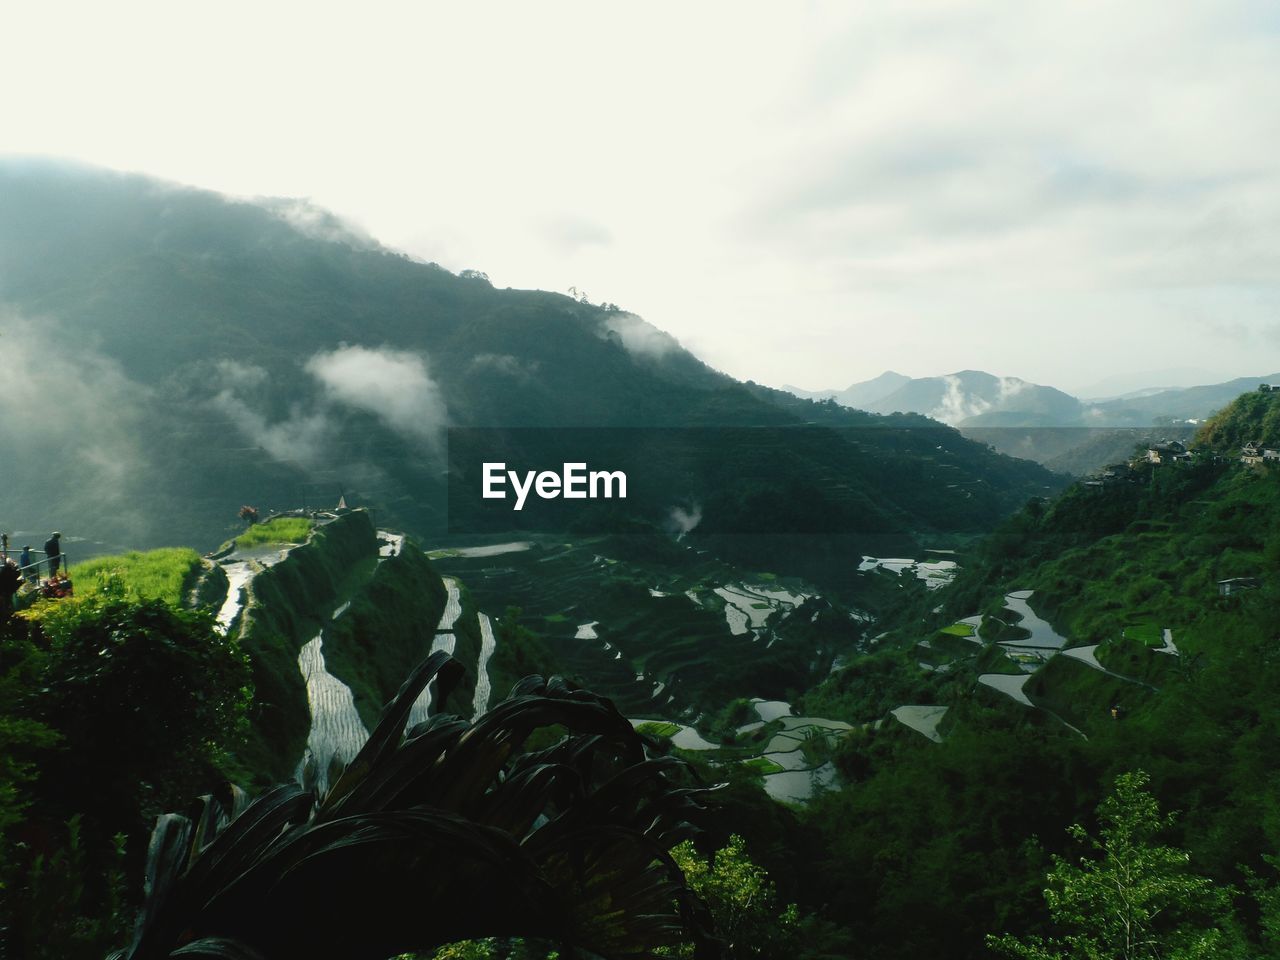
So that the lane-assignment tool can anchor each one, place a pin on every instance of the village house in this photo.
(1167, 451)
(1237, 584)
(1252, 452)
(1109, 476)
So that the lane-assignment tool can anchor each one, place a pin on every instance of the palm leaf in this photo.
(451, 831)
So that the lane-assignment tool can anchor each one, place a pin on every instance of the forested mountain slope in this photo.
(181, 354)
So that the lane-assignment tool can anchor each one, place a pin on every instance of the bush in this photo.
(146, 697)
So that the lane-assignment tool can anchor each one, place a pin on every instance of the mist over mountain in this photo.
(180, 353)
(1043, 423)
(973, 398)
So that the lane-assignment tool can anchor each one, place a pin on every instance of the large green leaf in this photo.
(449, 832)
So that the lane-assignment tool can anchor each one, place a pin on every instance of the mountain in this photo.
(859, 395)
(1088, 636)
(182, 354)
(969, 397)
(972, 397)
(1185, 403)
(1045, 424)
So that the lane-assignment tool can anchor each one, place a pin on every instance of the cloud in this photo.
(393, 385)
(891, 185)
(639, 336)
(681, 521)
(956, 404)
(69, 425)
(571, 234)
(318, 223)
(243, 396)
(1010, 387)
(506, 364)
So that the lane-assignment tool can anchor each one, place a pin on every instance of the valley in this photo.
(890, 655)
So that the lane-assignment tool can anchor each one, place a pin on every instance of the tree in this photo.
(109, 706)
(146, 698)
(1132, 898)
(742, 900)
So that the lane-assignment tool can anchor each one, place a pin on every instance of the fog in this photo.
(393, 385)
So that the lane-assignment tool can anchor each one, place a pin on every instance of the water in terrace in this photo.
(795, 786)
(1042, 636)
(923, 719)
(239, 573)
(337, 733)
(934, 573)
(768, 710)
(686, 738)
(488, 643)
(240, 566)
(444, 640)
(394, 543)
(1009, 684)
(452, 605)
(492, 550)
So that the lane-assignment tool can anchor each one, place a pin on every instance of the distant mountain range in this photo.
(1023, 419)
(973, 398)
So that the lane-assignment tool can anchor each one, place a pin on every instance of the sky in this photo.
(1083, 194)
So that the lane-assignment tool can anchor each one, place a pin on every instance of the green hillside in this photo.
(1163, 673)
(965, 730)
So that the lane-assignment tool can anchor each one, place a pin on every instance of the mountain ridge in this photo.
(981, 399)
(186, 354)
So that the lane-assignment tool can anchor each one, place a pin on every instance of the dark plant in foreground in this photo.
(446, 832)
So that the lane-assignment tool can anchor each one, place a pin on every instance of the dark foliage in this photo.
(445, 832)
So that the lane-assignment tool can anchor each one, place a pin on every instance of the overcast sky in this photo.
(1081, 194)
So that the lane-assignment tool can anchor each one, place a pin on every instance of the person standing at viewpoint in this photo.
(53, 550)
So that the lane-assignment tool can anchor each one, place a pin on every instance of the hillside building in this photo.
(1237, 584)
(1168, 451)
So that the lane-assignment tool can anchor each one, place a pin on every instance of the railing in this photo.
(31, 572)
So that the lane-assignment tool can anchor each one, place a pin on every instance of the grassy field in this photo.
(1146, 633)
(762, 765)
(959, 630)
(162, 574)
(279, 530)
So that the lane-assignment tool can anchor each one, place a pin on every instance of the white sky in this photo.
(806, 193)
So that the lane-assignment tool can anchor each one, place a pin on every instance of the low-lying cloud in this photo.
(505, 364)
(393, 385)
(681, 521)
(317, 223)
(640, 337)
(300, 437)
(69, 425)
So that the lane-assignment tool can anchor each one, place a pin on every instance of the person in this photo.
(24, 561)
(10, 579)
(53, 551)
